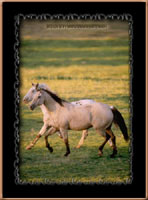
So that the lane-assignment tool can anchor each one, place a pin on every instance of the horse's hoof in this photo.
(115, 152)
(112, 156)
(50, 149)
(78, 146)
(28, 147)
(100, 153)
(66, 154)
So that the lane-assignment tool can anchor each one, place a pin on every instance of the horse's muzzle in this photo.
(25, 101)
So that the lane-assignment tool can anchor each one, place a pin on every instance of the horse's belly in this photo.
(79, 125)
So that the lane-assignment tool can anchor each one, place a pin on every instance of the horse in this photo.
(65, 116)
(29, 97)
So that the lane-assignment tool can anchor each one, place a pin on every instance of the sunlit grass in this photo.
(62, 49)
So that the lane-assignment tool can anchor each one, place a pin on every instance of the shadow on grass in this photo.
(76, 78)
(66, 63)
(74, 43)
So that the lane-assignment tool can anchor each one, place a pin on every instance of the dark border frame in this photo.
(99, 17)
(10, 92)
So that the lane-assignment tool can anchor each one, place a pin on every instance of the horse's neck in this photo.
(44, 109)
(50, 105)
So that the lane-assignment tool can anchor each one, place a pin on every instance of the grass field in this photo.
(76, 69)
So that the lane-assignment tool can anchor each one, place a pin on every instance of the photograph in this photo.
(75, 101)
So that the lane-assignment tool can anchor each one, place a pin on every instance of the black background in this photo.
(137, 188)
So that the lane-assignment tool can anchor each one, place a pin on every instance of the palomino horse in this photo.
(29, 97)
(65, 116)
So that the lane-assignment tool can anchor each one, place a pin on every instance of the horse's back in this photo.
(83, 102)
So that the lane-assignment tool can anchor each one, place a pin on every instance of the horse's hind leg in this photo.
(107, 137)
(51, 131)
(84, 135)
(113, 139)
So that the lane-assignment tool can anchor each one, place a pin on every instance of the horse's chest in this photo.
(48, 119)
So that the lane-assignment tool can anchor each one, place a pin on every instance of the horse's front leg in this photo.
(42, 131)
(64, 133)
(84, 135)
(51, 131)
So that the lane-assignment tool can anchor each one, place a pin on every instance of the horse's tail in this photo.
(119, 121)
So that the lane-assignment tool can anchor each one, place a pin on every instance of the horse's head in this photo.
(32, 91)
(37, 100)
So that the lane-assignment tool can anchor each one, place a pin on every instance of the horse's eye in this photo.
(39, 97)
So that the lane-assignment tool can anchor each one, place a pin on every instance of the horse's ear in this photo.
(33, 84)
(37, 88)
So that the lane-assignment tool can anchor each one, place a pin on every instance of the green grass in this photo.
(74, 43)
(75, 69)
(67, 52)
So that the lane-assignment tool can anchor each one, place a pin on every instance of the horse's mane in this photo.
(55, 97)
(43, 86)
